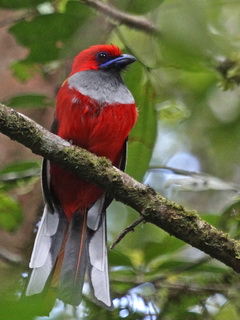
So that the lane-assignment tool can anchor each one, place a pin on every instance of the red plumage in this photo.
(99, 129)
(94, 111)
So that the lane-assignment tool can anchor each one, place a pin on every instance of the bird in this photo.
(96, 111)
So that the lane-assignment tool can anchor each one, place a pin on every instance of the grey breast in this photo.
(103, 86)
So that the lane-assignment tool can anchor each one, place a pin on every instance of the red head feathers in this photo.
(90, 58)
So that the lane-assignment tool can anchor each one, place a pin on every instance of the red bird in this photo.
(95, 111)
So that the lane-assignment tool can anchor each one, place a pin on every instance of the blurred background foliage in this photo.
(185, 145)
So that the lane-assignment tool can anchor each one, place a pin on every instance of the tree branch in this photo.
(136, 22)
(171, 217)
(127, 230)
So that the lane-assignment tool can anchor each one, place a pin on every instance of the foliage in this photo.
(29, 101)
(186, 88)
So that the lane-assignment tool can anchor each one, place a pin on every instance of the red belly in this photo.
(99, 130)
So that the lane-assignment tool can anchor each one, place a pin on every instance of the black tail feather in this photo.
(74, 262)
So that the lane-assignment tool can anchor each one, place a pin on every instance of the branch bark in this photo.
(171, 217)
(136, 22)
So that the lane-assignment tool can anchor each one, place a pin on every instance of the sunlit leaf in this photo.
(23, 70)
(228, 311)
(10, 213)
(172, 112)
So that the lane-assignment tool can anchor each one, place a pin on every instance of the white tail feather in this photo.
(46, 248)
(48, 227)
(97, 247)
(39, 277)
(99, 277)
(94, 213)
(100, 284)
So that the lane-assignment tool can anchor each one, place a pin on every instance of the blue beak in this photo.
(119, 62)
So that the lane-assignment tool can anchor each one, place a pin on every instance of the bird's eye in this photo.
(103, 57)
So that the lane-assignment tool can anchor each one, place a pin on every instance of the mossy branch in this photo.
(171, 217)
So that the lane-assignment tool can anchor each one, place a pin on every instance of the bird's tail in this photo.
(80, 247)
(72, 262)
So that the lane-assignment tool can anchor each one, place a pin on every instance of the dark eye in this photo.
(103, 57)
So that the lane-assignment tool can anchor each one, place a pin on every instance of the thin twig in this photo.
(126, 231)
(136, 22)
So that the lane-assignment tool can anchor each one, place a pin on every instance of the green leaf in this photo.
(172, 112)
(191, 267)
(23, 70)
(143, 47)
(45, 35)
(169, 245)
(187, 41)
(20, 167)
(29, 101)
(143, 135)
(121, 287)
(179, 305)
(126, 273)
(138, 6)
(10, 213)
(20, 175)
(25, 308)
(228, 311)
(117, 258)
(75, 8)
(19, 4)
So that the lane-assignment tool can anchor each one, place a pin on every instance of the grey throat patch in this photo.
(103, 86)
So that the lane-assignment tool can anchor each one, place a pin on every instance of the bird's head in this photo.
(101, 57)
